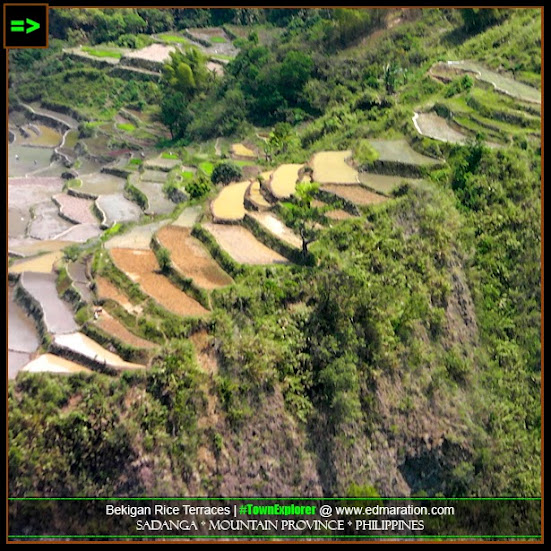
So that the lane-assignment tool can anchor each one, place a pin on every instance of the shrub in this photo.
(225, 173)
(198, 187)
(365, 153)
(163, 258)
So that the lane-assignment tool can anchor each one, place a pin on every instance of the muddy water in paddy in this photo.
(21, 159)
(118, 209)
(18, 219)
(81, 233)
(58, 316)
(47, 224)
(24, 193)
(16, 361)
(158, 202)
(77, 272)
(23, 337)
(100, 184)
(26, 247)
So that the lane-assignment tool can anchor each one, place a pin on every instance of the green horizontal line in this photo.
(309, 536)
(274, 499)
(17, 29)
(17, 22)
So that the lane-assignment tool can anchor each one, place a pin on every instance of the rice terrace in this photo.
(265, 252)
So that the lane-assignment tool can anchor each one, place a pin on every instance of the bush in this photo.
(225, 173)
(198, 187)
(163, 258)
(365, 153)
(86, 130)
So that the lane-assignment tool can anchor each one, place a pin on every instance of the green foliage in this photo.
(163, 258)
(477, 19)
(175, 114)
(99, 52)
(186, 72)
(226, 172)
(198, 187)
(364, 153)
(302, 216)
(458, 85)
(126, 126)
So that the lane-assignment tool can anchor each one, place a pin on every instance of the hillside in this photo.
(375, 328)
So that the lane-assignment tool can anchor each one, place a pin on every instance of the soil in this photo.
(141, 266)
(89, 348)
(113, 326)
(54, 364)
(107, 290)
(206, 355)
(191, 259)
(243, 246)
(356, 194)
(274, 225)
(41, 264)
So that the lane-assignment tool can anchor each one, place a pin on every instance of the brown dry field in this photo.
(356, 194)
(107, 290)
(191, 259)
(243, 246)
(114, 327)
(141, 266)
(336, 214)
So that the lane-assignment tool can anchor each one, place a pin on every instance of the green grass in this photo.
(100, 52)
(222, 57)
(207, 167)
(173, 38)
(187, 175)
(244, 163)
(169, 156)
(218, 40)
(126, 126)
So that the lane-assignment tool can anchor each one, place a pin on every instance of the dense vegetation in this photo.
(419, 322)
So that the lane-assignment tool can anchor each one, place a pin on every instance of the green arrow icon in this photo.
(33, 26)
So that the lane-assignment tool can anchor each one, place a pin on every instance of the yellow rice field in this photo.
(41, 264)
(329, 167)
(240, 150)
(256, 197)
(284, 180)
(54, 364)
(229, 205)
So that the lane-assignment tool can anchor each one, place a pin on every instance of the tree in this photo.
(163, 258)
(302, 216)
(175, 113)
(294, 72)
(225, 173)
(187, 72)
